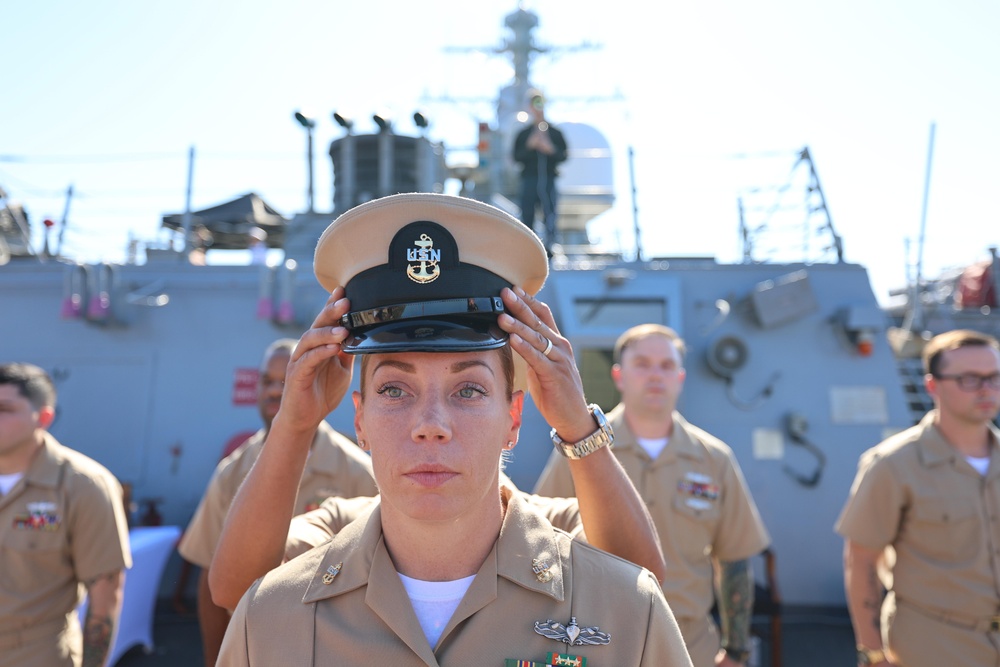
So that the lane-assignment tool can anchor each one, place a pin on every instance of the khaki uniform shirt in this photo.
(301, 614)
(335, 467)
(317, 527)
(916, 493)
(699, 502)
(62, 525)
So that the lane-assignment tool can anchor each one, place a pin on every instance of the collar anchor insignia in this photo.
(331, 573)
(572, 634)
(541, 570)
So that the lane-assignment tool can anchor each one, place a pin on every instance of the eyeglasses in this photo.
(972, 381)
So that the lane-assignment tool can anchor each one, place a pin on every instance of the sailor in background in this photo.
(448, 568)
(923, 518)
(336, 466)
(696, 493)
(62, 524)
(539, 148)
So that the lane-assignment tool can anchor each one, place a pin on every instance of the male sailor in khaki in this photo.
(695, 492)
(62, 531)
(922, 519)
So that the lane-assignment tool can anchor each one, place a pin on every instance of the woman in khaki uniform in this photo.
(319, 526)
(447, 569)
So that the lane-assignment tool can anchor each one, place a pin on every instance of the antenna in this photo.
(65, 218)
(635, 206)
(186, 220)
(814, 202)
(915, 317)
(814, 186)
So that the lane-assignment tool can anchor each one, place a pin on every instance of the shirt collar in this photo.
(325, 453)
(527, 553)
(45, 467)
(681, 444)
(935, 449)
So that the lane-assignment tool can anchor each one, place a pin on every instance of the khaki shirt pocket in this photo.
(944, 529)
(31, 556)
(697, 520)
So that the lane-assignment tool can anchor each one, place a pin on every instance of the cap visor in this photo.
(427, 335)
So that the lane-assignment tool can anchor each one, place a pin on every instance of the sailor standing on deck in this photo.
(923, 518)
(448, 569)
(539, 148)
(62, 524)
(695, 492)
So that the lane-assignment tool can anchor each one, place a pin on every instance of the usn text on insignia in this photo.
(331, 573)
(572, 634)
(423, 266)
(541, 570)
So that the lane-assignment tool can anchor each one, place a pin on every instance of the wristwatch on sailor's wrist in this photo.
(870, 656)
(602, 437)
(740, 655)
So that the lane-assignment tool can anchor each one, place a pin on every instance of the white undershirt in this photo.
(7, 482)
(653, 446)
(435, 602)
(980, 463)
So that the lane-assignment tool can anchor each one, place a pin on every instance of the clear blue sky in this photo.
(108, 96)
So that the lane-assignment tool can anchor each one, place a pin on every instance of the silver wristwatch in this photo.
(602, 437)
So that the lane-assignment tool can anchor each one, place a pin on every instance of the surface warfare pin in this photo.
(551, 660)
(572, 634)
(332, 572)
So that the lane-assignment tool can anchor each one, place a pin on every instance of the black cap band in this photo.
(489, 305)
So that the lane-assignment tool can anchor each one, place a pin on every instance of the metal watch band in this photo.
(870, 656)
(602, 437)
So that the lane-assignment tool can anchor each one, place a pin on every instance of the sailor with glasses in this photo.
(923, 520)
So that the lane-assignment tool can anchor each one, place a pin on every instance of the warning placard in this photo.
(245, 386)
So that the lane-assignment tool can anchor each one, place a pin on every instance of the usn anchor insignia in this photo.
(427, 271)
(331, 573)
(541, 570)
(572, 634)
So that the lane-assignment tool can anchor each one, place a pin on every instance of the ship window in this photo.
(619, 314)
(595, 370)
